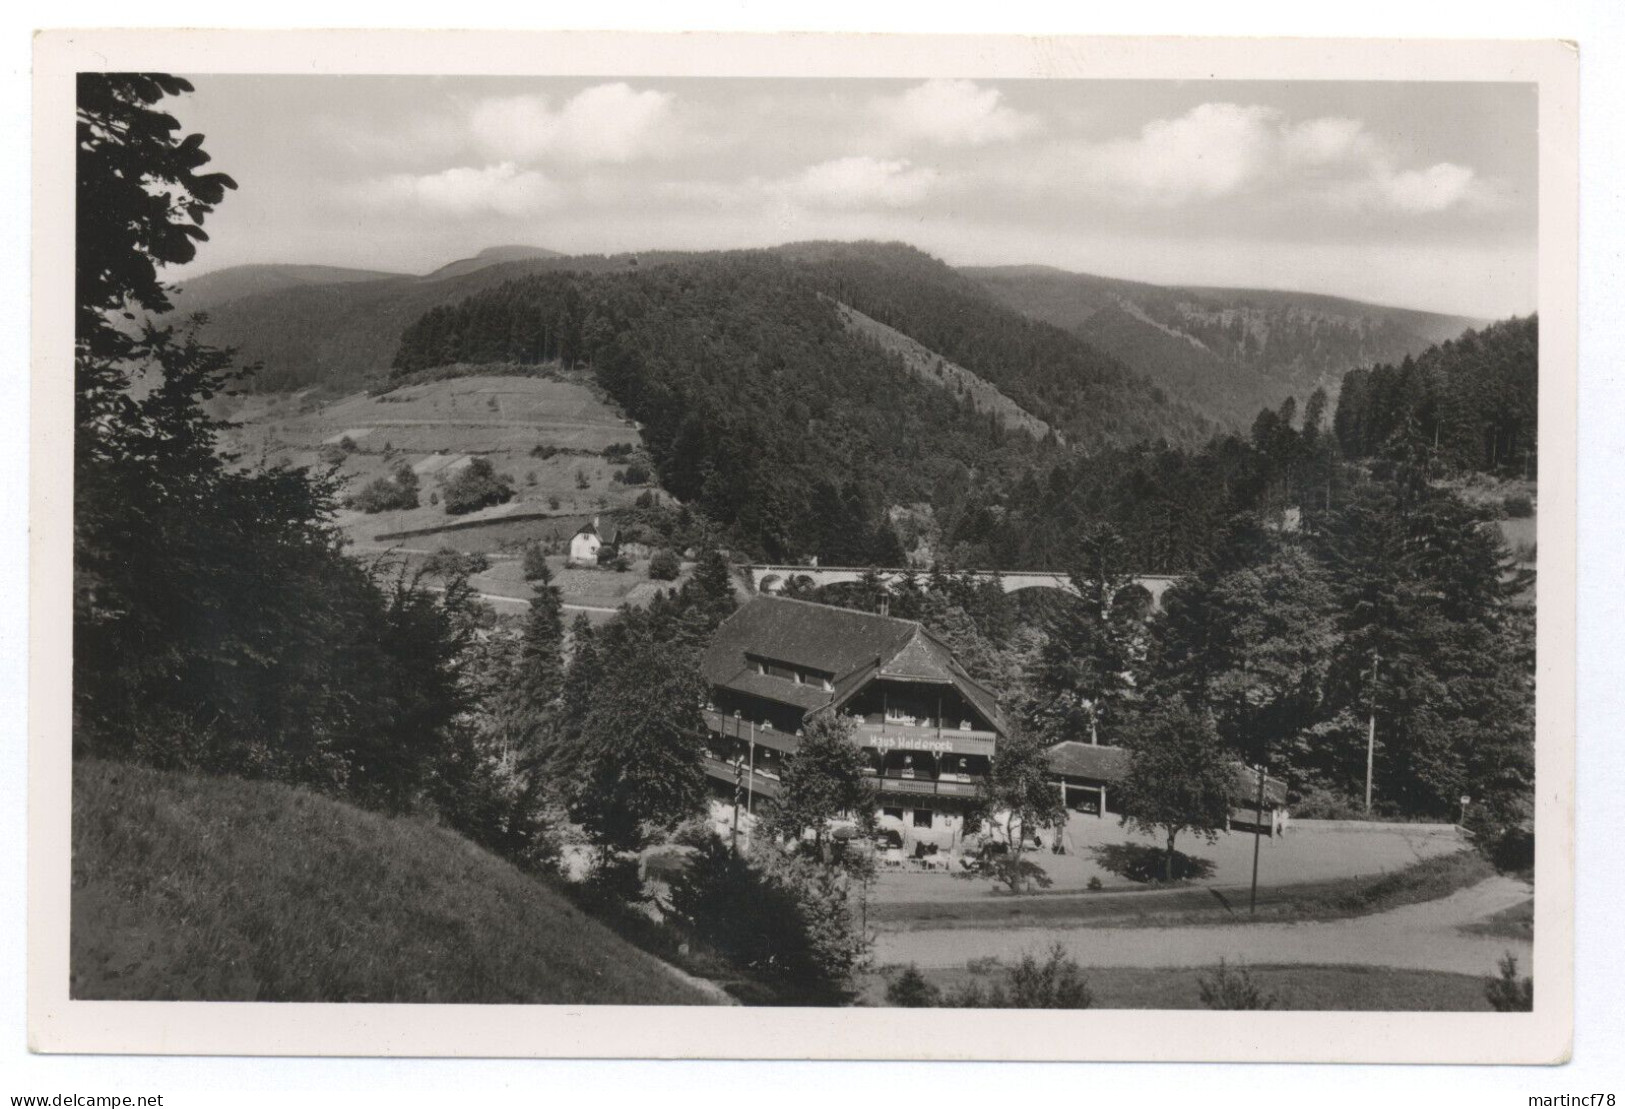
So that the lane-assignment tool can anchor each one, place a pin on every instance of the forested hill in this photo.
(1092, 398)
(338, 329)
(1471, 402)
(757, 404)
(1228, 352)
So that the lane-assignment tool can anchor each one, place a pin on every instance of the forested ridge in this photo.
(798, 439)
(1229, 352)
(759, 407)
(1471, 401)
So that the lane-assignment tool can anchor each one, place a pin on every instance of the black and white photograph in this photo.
(965, 540)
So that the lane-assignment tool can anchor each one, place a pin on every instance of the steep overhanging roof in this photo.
(855, 647)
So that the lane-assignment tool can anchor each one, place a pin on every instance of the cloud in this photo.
(953, 113)
(860, 182)
(1217, 151)
(1428, 190)
(1213, 150)
(503, 189)
(612, 123)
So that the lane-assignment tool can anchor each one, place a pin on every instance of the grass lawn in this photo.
(1516, 923)
(1296, 987)
(188, 888)
(1426, 880)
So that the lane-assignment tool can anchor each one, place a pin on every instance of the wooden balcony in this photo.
(897, 781)
(759, 783)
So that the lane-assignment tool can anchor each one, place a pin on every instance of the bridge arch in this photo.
(766, 578)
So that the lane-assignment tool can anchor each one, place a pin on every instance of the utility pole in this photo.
(739, 776)
(1258, 832)
(1371, 732)
(750, 781)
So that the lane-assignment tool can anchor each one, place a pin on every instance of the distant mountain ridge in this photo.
(1224, 353)
(491, 256)
(1229, 352)
(206, 290)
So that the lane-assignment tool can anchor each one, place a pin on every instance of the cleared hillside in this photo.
(221, 889)
(1228, 352)
(933, 369)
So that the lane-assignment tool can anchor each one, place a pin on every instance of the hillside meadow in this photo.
(220, 889)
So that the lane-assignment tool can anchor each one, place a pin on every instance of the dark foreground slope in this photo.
(223, 889)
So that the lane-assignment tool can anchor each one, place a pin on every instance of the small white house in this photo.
(584, 545)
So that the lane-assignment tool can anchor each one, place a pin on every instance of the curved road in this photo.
(1421, 937)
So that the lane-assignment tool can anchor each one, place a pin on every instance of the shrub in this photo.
(543, 450)
(1512, 851)
(1055, 983)
(477, 486)
(553, 503)
(581, 479)
(664, 566)
(1233, 989)
(617, 451)
(1095, 883)
(447, 562)
(388, 494)
(910, 990)
(785, 919)
(635, 474)
(1509, 993)
(1518, 506)
(331, 454)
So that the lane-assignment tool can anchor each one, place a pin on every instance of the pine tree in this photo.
(1085, 671)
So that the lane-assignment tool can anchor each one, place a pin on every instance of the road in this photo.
(1421, 937)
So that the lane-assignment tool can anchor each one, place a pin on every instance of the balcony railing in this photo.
(901, 781)
(763, 785)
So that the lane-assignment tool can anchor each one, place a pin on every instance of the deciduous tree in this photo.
(822, 779)
(1180, 777)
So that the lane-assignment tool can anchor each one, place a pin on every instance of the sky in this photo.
(1414, 194)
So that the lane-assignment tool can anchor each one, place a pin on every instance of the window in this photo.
(895, 814)
(922, 818)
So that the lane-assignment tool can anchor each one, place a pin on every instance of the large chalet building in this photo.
(929, 730)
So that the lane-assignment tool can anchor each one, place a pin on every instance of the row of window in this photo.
(796, 674)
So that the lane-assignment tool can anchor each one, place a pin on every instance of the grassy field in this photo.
(1296, 987)
(221, 889)
(1426, 880)
(436, 426)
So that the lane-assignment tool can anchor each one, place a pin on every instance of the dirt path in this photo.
(1422, 937)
